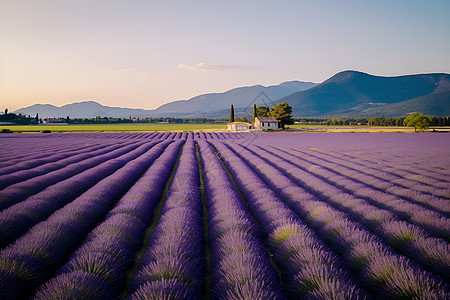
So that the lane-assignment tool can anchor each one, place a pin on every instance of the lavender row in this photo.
(99, 266)
(33, 148)
(217, 135)
(415, 181)
(401, 154)
(416, 165)
(349, 239)
(409, 239)
(64, 148)
(310, 269)
(173, 265)
(36, 255)
(18, 192)
(53, 163)
(429, 215)
(18, 218)
(42, 157)
(152, 135)
(414, 191)
(433, 222)
(241, 268)
(113, 136)
(39, 147)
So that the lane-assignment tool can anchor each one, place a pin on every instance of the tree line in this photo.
(168, 120)
(375, 121)
(18, 118)
(29, 120)
(282, 112)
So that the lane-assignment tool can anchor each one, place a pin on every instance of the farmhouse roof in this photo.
(267, 119)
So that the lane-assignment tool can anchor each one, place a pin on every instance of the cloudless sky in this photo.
(144, 53)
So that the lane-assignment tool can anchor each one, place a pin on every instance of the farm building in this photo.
(238, 126)
(267, 123)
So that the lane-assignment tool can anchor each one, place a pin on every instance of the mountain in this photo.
(352, 93)
(241, 97)
(85, 109)
(435, 104)
(348, 93)
(208, 105)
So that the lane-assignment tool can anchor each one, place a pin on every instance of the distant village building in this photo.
(239, 126)
(267, 123)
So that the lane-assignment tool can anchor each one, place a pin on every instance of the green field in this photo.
(114, 127)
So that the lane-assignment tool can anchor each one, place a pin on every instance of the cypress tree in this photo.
(254, 116)
(232, 113)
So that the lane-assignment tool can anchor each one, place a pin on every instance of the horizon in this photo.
(143, 54)
(93, 100)
(317, 83)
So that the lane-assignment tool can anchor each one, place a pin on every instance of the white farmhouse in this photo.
(267, 123)
(238, 126)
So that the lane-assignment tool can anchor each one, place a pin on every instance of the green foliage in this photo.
(418, 121)
(284, 232)
(242, 119)
(385, 121)
(262, 111)
(232, 113)
(336, 121)
(282, 112)
(14, 118)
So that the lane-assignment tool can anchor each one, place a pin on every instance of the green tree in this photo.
(262, 111)
(242, 119)
(232, 113)
(418, 121)
(335, 121)
(282, 112)
(375, 121)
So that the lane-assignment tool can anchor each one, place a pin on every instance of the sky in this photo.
(144, 53)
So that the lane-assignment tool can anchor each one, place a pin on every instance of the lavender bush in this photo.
(205, 215)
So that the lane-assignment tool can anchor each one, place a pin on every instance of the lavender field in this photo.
(224, 216)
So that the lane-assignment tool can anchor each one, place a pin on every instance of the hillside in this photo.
(85, 109)
(435, 104)
(357, 93)
(348, 93)
(208, 105)
(240, 97)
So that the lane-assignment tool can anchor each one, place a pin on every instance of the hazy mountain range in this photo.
(209, 105)
(348, 93)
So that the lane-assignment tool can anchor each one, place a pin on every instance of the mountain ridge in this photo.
(194, 107)
(241, 97)
(354, 92)
(347, 93)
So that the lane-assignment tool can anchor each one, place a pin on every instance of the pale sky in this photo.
(144, 53)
